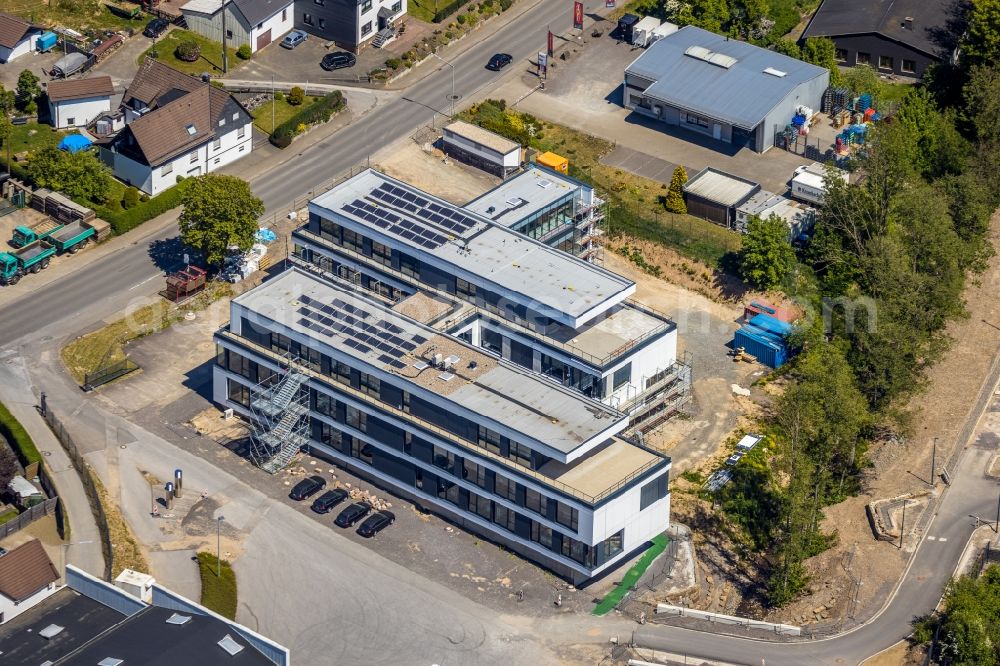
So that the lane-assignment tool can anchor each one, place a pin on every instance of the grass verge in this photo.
(8, 515)
(18, 437)
(126, 553)
(218, 593)
(632, 576)
(81, 15)
(282, 112)
(107, 345)
(209, 61)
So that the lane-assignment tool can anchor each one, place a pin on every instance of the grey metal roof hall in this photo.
(741, 95)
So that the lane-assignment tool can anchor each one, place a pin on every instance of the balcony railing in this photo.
(282, 361)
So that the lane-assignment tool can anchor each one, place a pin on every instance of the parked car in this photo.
(328, 500)
(156, 27)
(293, 39)
(376, 523)
(499, 61)
(338, 60)
(306, 488)
(352, 514)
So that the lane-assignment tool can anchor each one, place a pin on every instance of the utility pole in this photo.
(996, 528)
(218, 546)
(933, 461)
(272, 103)
(902, 525)
(225, 56)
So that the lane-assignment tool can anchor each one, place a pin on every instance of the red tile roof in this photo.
(62, 90)
(26, 570)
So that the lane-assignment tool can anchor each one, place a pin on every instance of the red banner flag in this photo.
(551, 48)
(578, 15)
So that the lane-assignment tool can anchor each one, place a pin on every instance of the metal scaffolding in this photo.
(280, 418)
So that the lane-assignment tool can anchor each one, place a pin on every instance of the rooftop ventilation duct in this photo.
(717, 59)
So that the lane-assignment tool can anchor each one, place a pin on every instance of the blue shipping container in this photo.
(762, 346)
(772, 325)
(46, 41)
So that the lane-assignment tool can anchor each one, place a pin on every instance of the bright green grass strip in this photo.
(632, 576)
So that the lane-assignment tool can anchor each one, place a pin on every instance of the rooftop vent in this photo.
(544, 183)
(446, 376)
(110, 661)
(718, 59)
(50, 631)
(450, 361)
(191, 130)
(513, 202)
(775, 72)
(420, 365)
(178, 619)
(230, 646)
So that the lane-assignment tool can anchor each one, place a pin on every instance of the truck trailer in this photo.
(29, 259)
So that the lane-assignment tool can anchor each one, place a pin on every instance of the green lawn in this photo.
(211, 53)
(81, 15)
(217, 594)
(424, 10)
(632, 576)
(32, 136)
(282, 112)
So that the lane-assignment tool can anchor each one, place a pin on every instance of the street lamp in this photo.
(65, 548)
(452, 80)
(218, 546)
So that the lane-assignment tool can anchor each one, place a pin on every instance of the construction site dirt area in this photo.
(423, 166)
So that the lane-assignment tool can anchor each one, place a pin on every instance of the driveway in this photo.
(300, 64)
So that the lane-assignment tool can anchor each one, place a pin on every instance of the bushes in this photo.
(279, 96)
(218, 593)
(244, 52)
(127, 220)
(316, 112)
(393, 63)
(188, 51)
(130, 198)
(296, 96)
(18, 437)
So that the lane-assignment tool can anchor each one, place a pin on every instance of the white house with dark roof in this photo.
(176, 125)
(27, 577)
(75, 102)
(17, 37)
(253, 22)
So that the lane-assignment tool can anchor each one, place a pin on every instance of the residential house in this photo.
(176, 125)
(253, 22)
(350, 24)
(75, 102)
(27, 577)
(17, 37)
(900, 37)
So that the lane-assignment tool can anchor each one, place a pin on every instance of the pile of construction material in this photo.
(358, 495)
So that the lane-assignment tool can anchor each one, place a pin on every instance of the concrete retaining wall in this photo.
(680, 611)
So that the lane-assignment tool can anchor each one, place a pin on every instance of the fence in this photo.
(93, 498)
(718, 618)
(30, 515)
(62, 519)
(444, 12)
(108, 373)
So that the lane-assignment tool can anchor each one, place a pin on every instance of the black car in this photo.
(328, 500)
(352, 514)
(378, 522)
(306, 488)
(156, 27)
(499, 61)
(338, 60)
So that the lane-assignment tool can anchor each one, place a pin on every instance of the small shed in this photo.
(25, 491)
(554, 162)
(138, 584)
(664, 29)
(642, 33)
(715, 195)
(764, 338)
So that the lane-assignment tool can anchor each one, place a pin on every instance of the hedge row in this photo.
(217, 594)
(319, 111)
(18, 437)
(126, 220)
(444, 12)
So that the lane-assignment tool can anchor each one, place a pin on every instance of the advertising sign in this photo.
(578, 15)
(543, 63)
(551, 39)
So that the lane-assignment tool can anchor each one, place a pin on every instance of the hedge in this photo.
(319, 111)
(126, 220)
(217, 594)
(18, 437)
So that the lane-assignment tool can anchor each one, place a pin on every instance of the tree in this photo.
(27, 89)
(982, 39)
(219, 212)
(79, 175)
(9, 467)
(296, 96)
(789, 48)
(766, 258)
(675, 195)
(822, 52)
(7, 101)
(131, 198)
(188, 51)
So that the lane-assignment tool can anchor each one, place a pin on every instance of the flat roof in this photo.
(542, 411)
(602, 468)
(550, 281)
(81, 618)
(483, 137)
(614, 332)
(720, 187)
(718, 77)
(523, 195)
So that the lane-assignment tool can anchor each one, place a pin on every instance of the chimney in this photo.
(908, 23)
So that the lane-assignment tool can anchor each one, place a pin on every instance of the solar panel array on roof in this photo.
(359, 329)
(389, 198)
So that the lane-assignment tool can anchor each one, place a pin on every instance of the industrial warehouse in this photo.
(728, 90)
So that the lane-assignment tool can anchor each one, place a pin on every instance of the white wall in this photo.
(81, 111)
(623, 512)
(275, 24)
(23, 47)
(9, 610)
(509, 160)
(649, 360)
(372, 15)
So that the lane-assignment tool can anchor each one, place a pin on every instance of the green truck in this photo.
(71, 237)
(28, 259)
(38, 231)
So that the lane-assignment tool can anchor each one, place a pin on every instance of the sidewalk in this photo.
(84, 549)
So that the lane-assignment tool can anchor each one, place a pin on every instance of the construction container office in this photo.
(731, 91)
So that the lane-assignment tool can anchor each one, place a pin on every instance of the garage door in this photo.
(263, 40)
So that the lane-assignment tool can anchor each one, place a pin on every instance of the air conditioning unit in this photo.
(228, 414)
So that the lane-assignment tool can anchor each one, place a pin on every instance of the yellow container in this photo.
(554, 162)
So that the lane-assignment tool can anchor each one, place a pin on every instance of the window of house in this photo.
(357, 419)
(342, 373)
(409, 266)
(322, 23)
(193, 157)
(536, 501)
(695, 120)
(863, 58)
(260, 26)
(481, 506)
(238, 393)
(474, 473)
(307, 19)
(353, 240)
(71, 121)
(366, 5)
(653, 491)
(382, 253)
(541, 534)
(241, 132)
(489, 440)
(567, 515)
(909, 66)
(465, 290)
(229, 34)
(612, 545)
(841, 55)
(397, 6)
(326, 404)
(885, 62)
(284, 15)
(217, 144)
(419, 480)
(222, 121)
(491, 340)
(371, 385)
(503, 516)
(520, 454)
(621, 377)
(443, 458)
(366, 28)
(167, 169)
(361, 451)
(505, 487)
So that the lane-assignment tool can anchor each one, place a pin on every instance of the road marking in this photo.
(930, 538)
(942, 538)
(139, 284)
